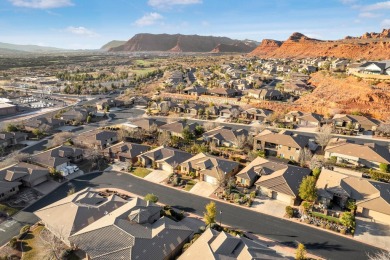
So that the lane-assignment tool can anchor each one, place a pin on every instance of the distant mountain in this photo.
(183, 43)
(28, 48)
(112, 44)
(372, 46)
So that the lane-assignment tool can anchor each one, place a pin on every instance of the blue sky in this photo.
(87, 24)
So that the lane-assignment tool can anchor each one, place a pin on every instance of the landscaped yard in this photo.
(6, 209)
(330, 218)
(141, 172)
(189, 185)
(33, 245)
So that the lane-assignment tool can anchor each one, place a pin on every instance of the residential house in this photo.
(284, 144)
(210, 168)
(372, 198)
(214, 245)
(257, 114)
(226, 136)
(310, 120)
(164, 158)
(101, 105)
(297, 88)
(71, 214)
(223, 92)
(162, 106)
(376, 67)
(330, 190)
(176, 128)
(135, 230)
(8, 139)
(308, 68)
(140, 101)
(369, 155)
(26, 174)
(147, 124)
(230, 111)
(355, 123)
(98, 139)
(339, 65)
(292, 116)
(58, 157)
(265, 94)
(255, 169)
(190, 108)
(283, 185)
(77, 114)
(195, 90)
(43, 123)
(125, 151)
(175, 78)
(8, 189)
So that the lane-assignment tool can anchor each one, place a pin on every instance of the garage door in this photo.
(281, 197)
(210, 179)
(166, 167)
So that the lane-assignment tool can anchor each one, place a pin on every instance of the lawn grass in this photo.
(330, 218)
(32, 244)
(10, 211)
(141, 172)
(190, 184)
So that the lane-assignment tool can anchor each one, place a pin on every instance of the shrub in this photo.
(151, 197)
(186, 246)
(13, 242)
(252, 194)
(316, 172)
(343, 231)
(384, 167)
(24, 229)
(289, 211)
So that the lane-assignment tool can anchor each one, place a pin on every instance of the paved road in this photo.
(318, 242)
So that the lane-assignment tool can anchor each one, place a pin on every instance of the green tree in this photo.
(316, 172)
(384, 167)
(210, 214)
(187, 135)
(151, 198)
(301, 252)
(199, 130)
(107, 109)
(11, 128)
(89, 119)
(348, 219)
(307, 189)
(37, 132)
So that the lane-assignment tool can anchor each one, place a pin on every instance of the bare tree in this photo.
(235, 113)
(324, 135)
(122, 134)
(384, 128)
(153, 129)
(60, 138)
(305, 156)
(54, 248)
(241, 141)
(164, 138)
(221, 178)
(209, 126)
(95, 157)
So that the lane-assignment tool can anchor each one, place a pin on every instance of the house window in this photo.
(289, 148)
(281, 155)
(242, 181)
(291, 157)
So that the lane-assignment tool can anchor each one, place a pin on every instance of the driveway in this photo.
(203, 188)
(157, 176)
(269, 206)
(377, 233)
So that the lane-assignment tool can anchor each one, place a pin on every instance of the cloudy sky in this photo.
(87, 24)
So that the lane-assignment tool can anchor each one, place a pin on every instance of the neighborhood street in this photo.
(318, 242)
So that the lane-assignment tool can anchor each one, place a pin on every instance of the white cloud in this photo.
(148, 19)
(81, 31)
(41, 4)
(377, 6)
(169, 3)
(368, 15)
(386, 23)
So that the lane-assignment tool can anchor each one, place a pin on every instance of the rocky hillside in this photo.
(369, 46)
(112, 44)
(184, 43)
(346, 95)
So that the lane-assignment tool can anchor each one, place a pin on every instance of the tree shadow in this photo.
(25, 246)
(186, 209)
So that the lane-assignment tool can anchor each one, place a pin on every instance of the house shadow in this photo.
(185, 209)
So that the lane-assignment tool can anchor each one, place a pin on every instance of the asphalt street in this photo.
(318, 242)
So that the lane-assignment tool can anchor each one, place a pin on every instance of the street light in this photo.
(220, 218)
